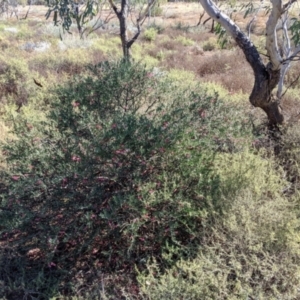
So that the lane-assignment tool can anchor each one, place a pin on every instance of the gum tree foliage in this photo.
(67, 12)
(282, 46)
(129, 13)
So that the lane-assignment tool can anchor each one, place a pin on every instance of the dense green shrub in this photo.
(120, 170)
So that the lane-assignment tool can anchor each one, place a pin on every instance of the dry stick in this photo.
(288, 5)
(26, 13)
(212, 30)
(140, 21)
(131, 17)
(206, 20)
(254, 19)
(114, 7)
(294, 56)
(212, 24)
(200, 19)
(290, 85)
(94, 27)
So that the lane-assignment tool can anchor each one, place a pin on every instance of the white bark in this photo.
(294, 54)
(214, 12)
(286, 52)
(271, 35)
(250, 26)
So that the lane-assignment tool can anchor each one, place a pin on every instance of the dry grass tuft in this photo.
(223, 67)
(220, 66)
(191, 33)
(290, 105)
(293, 76)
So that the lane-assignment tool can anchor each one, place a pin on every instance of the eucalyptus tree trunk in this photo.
(267, 76)
(122, 16)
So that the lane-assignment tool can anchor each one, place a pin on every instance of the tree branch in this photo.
(271, 35)
(254, 19)
(241, 39)
(294, 54)
(286, 52)
(288, 5)
(140, 20)
(294, 81)
(200, 18)
(142, 17)
(114, 7)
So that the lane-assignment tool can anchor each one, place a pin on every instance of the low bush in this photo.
(210, 45)
(150, 34)
(250, 250)
(139, 54)
(185, 41)
(289, 155)
(14, 81)
(159, 27)
(69, 62)
(156, 11)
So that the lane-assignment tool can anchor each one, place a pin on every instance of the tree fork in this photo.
(122, 15)
(266, 76)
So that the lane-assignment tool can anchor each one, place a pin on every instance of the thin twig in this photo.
(24, 18)
(264, 54)
(200, 19)
(290, 85)
(288, 5)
